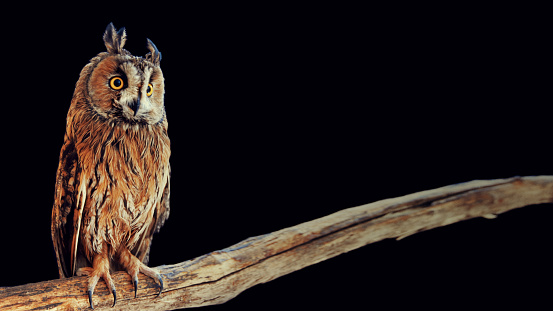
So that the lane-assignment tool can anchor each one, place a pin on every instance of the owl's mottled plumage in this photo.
(112, 185)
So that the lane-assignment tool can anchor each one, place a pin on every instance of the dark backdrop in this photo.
(279, 115)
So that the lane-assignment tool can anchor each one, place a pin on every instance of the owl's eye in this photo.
(150, 90)
(116, 83)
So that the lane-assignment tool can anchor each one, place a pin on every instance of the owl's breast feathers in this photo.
(112, 188)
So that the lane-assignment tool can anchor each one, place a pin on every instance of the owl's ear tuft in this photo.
(114, 40)
(154, 56)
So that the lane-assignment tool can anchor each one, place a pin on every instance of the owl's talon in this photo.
(99, 270)
(90, 292)
(135, 283)
(114, 297)
(160, 285)
(134, 266)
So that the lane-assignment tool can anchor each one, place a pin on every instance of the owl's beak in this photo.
(135, 106)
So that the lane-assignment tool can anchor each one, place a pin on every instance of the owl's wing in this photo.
(66, 217)
(163, 212)
(142, 249)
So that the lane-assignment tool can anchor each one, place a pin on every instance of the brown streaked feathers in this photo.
(112, 185)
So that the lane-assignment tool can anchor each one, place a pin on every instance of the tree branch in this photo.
(221, 275)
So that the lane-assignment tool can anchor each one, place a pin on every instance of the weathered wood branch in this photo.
(221, 275)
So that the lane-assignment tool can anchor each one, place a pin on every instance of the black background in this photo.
(282, 114)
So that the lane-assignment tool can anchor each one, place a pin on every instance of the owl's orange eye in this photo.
(150, 90)
(116, 83)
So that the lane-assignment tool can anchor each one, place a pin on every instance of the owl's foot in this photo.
(100, 268)
(133, 266)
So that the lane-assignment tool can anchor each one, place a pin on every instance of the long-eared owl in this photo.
(112, 184)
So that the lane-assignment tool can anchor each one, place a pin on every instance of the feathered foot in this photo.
(100, 268)
(133, 266)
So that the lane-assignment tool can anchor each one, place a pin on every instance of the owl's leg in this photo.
(100, 268)
(133, 266)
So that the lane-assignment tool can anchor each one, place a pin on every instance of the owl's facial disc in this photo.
(127, 88)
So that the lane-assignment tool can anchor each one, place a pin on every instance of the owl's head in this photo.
(121, 87)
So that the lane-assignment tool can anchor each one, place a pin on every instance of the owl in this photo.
(112, 184)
